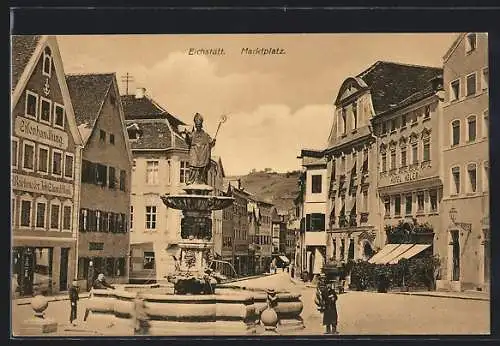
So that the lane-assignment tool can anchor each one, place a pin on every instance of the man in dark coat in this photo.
(101, 284)
(73, 298)
(326, 301)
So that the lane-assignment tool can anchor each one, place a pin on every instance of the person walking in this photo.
(73, 298)
(326, 301)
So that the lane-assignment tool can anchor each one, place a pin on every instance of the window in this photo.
(45, 108)
(384, 162)
(58, 115)
(120, 267)
(83, 220)
(365, 200)
(41, 209)
(317, 222)
(149, 260)
(184, 172)
(101, 174)
(354, 170)
(102, 136)
(455, 125)
(56, 162)
(485, 123)
(66, 226)
(433, 196)
(427, 149)
(393, 159)
(471, 84)
(14, 151)
(25, 216)
(29, 156)
(393, 124)
(355, 114)
(55, 211)
(455, 90)
(112, 177)
(397, 205)
(409, 206)
(31, 106)
(414, 149)
(403, 120)
(365, 160)
(43, 159)
(151, 172)
(131, 217)
(344, 121)
(403, 157)
(455, 174)
(151, 217)
(316, 183)
(471, 125)
(485, 78)
(471, 170)
(427, 112)
(420, 202)
(123, 180)
(111, 138)
(68, 165)
(387, 206)
(343, 165)
(470, 42)
(47, 62)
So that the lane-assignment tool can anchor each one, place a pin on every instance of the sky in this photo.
(277, 104)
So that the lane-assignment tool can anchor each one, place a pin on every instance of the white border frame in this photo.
(49, 56)
(25, 198)
(41, 146)
(467, 128)
(25, 142)
(475, 86)
(52, 163)
(450, 92)
(40, 103)
(14, 139)
(54, 107)
(41, 200)
(459, 132)
(72, 168)
(67, 204)
(453, 190)
(53, 202)
(31, 93)
(468, 185)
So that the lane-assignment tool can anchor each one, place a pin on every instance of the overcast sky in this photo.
(277, 104)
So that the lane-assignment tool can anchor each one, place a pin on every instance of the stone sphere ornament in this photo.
(39, 304)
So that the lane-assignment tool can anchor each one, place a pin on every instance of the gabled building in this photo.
(463, 240)
(240, 229)
(45, 169)
(160, 166)
(103, 237)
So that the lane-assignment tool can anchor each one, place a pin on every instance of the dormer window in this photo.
(470, 42)
(47, 62)
(134, 133)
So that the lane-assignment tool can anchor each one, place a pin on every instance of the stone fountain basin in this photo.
(197, 202)
(230, 311)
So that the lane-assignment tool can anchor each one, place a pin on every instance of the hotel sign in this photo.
(41, 133)
(405, 177)
(40, 185)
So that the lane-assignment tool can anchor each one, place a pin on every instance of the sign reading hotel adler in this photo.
(405, 177)
(40, 185)
(41, 133)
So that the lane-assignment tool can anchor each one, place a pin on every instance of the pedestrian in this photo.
(73, 298)
(99, 284)
(326, 301)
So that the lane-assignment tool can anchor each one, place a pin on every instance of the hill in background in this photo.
(277, 188)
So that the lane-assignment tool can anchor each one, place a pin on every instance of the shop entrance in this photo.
(63, 273)
(456, 255)
(31, 271)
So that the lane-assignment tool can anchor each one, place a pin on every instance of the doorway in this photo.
(63, 271)
(456, 256)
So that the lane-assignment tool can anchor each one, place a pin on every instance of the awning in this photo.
(402, 248)
(284, 259)
(392, 253)
(413, 251)
(385, 250)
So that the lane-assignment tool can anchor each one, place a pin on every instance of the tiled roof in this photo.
(88, 92)
(146, 108)
(154, 135)
(390, 83)
(23, 47)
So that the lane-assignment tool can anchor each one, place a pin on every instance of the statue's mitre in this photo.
(198, 117)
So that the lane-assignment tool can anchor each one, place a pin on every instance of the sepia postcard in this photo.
(250, 185)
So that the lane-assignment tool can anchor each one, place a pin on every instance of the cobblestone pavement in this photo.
(360, 313)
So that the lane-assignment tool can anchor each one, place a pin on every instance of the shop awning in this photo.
(284, 259)
(385, 250)
(413, 251)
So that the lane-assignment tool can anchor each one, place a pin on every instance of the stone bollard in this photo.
(39, 324)
(269, 317)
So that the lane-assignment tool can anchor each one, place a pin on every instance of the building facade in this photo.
(265, 234)
(45, 169)
(463, 243)
(103, 237)
(240, 230)
(160, 166)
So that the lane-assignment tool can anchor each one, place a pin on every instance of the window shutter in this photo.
(308, 222)
(81, 226)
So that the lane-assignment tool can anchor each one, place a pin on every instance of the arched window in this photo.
(455, 180)
(472, 177)
(471, 128)
(47, 62)
(455, 132)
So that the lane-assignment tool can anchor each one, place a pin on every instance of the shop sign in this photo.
(405, 177)
(40, 185)
(41, 133)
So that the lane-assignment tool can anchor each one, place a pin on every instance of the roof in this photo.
(88, 92)
(23, 47)
(453, 46)
(146, 108)
(154, 135)
(390, 82)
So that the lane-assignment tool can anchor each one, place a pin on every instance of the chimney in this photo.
(140, 92)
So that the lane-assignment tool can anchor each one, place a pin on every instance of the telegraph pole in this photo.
(126, 79)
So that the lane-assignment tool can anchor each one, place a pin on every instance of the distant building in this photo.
(463, 240)
(240, 229)
(103, 237)
(265, 234)
(45, 169)
(160, 166)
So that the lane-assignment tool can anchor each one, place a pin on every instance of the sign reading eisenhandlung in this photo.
(41, 133)
(40, 185)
